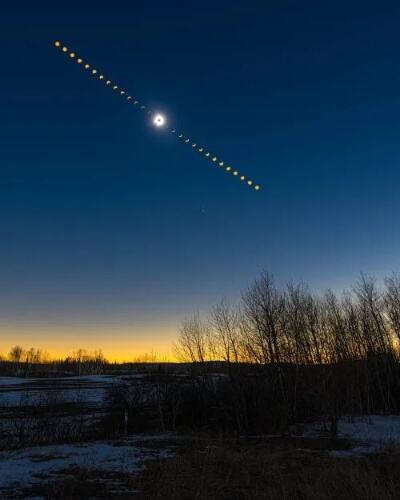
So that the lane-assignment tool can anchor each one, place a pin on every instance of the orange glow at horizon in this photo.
(117, 343)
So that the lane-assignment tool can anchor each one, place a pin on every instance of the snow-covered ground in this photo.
(77, 403)
(63, 407)
(24, 467)
(17, 391)
(370, 434)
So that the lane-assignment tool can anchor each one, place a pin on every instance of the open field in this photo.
(51, 428)
(50, 409)
(56, 444)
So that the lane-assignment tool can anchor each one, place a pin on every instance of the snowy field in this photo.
(23, 468)
(32, 405)
(73, 405)
(15, 391)
(45, 410)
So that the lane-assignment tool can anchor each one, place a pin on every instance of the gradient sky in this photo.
(112, 231)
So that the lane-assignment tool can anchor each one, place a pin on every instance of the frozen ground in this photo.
(16, 391)
(61, 407)
(76, 405)
(24, 467)
(370, 434)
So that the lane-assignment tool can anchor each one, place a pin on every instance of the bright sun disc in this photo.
(159, 120)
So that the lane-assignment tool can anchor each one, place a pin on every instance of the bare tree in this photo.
(226, 332)
(16, 353)
(263, 306)
(392, 303)
(193, 342)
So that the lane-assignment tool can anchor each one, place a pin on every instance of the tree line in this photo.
(21, 361)
(291, 354)
(294, 325)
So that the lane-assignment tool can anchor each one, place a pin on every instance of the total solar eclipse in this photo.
(158, 119)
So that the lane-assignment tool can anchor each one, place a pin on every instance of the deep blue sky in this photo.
(106, 221)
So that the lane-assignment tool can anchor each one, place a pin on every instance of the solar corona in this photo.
(158, 119)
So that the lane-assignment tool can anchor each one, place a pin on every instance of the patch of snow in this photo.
(376, 429)
(29, 465)
(370, 433)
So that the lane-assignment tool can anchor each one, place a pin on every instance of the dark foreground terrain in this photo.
(236, 469)
(156, 435)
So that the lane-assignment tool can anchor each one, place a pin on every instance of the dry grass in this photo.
(250, 471)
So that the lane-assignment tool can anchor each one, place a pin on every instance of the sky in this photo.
(112, 232)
